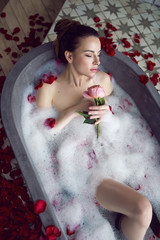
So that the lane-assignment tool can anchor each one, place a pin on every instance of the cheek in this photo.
(85, 62)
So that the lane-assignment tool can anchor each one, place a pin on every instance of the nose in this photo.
(96, 60)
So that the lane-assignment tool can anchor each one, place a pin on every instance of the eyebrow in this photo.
(91, 51)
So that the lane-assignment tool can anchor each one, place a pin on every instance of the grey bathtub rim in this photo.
(28, 172)
(11, 131)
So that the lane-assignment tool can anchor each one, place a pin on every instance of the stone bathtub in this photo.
(124, 70)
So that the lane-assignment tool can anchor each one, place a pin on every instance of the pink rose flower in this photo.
(95, 91)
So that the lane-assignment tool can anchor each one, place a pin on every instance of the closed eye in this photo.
(88, 55)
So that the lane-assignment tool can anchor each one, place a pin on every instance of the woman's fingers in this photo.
(102, 107)
(94, 113)
(98, 121)
(97, 112)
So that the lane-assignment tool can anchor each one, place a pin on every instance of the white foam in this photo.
(72, 162)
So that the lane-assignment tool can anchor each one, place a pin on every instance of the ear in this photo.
(68, 56)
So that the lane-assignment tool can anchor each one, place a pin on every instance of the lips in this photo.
(94, 69)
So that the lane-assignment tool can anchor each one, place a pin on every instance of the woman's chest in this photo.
(66, 97)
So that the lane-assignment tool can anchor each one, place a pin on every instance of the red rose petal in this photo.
(33, 17)
(145, 56)
(126, 43)
(16, 30)
(39, 85)
(144, 79)
(8, 36)
(150, 55)
(49, 78)
(110, 108)
(52, 231)
(71, 232)
(39, 22)
(14, 54)
(110, 76)
(39, 206)
(136, 40)
(113, 28)
(133, 59)
(13, 61)
(99, 25)
(103, 42)
(131, 54)
(110, 50)
(3, 31)
(8, 50)
(25, 50)
(31, 97)
(114, 46)
(137, 53)
(19, 46)
(137, 36)
(3, 15)
(126, 53)
(16, 39)
(50, 122)
(41, 18)
(1, 56)
(109, 25)
(97, 19)
(31, 23)
(150, 65)
(154, 79)
(139, 187)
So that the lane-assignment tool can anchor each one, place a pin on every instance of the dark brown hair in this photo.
(69, 33)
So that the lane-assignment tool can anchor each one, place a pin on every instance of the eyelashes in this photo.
(91, 55)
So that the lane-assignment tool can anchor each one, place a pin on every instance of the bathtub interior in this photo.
(127, 75)
(124, 71)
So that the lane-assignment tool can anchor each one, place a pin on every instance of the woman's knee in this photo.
(143, 212)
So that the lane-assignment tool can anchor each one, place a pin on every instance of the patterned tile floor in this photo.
(129, 17)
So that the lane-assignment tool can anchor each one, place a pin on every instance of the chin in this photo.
(90, 74)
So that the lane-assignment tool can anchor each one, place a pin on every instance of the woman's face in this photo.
(86, 56)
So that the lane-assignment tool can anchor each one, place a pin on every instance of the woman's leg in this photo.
(120, 198)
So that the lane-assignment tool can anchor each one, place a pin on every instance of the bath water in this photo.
(72, 162)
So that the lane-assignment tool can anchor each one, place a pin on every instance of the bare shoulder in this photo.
(105, 81)
(44, 96)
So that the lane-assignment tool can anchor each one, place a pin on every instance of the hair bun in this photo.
(63, 25)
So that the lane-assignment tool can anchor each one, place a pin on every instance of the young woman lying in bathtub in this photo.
(79, 47)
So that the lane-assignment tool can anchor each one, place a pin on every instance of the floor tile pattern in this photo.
(129, 17)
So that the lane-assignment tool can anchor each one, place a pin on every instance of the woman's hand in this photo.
(98, 112)
(84, 105)
(68, 114)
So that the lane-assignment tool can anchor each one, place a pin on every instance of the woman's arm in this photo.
(68, 114)
(44, 100)
(44, 96)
